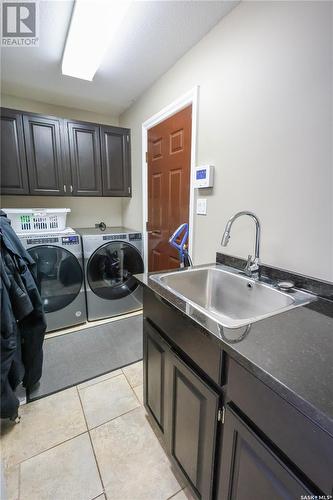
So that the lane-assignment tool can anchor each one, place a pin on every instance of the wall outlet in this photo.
(202, 206)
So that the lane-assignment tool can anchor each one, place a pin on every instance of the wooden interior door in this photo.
(169, 162)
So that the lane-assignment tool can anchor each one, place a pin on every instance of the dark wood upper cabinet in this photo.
(85, 158)
(46, 155)
(250, 470)
(191, 425)
(44, 149)
(14, 175)
(116, 162)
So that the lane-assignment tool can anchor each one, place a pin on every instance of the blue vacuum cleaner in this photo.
(181, 234)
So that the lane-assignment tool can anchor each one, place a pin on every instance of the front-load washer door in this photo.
(59, 276)
(111, 268)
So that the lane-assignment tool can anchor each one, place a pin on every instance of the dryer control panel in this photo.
(70, 240)
(135, 236)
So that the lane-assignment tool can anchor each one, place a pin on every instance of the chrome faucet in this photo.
(252, 264)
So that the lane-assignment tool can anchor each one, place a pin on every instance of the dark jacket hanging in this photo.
(23, 322)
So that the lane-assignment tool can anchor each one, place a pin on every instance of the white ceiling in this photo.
(154, 36)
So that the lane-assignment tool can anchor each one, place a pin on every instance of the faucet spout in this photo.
(252, 264)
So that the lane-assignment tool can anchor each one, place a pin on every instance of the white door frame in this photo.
(185, 100)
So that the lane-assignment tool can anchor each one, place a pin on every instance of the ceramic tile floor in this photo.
(89, 442)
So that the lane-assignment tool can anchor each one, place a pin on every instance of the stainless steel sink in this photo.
(229, 297)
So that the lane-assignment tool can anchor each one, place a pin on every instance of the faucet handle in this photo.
(248, 265)
(252, 265)
(249, 261)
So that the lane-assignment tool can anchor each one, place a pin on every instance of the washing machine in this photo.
(60, 276)
(111, 257)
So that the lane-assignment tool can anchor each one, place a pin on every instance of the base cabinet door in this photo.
(155, 351)
(191, 426)
(14, 174)
(250, 470)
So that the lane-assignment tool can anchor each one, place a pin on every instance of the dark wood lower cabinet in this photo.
(191, 426)
(255, 447)
(250, 470)
(154, 361)
(185, 409)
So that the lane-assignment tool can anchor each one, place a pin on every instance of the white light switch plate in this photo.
(202, 206)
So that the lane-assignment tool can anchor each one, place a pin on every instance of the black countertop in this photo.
(291, 352)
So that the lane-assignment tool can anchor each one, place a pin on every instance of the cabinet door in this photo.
(192, 417)
(85, 158)
(116, 165)
(44, 148)
(250, 470)
(155, 350)
(14, 174)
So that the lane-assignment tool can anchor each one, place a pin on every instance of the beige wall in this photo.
(10, 101)
(265, 122)
(85, 211)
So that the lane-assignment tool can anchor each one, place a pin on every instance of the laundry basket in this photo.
(37, 220)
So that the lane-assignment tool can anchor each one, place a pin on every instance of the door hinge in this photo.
(221, 415)
(147, 226)
(146, 156)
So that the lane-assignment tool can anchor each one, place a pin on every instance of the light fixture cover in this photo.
(94, 24)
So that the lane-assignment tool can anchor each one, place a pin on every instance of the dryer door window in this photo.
(59, 276)
(111, 268)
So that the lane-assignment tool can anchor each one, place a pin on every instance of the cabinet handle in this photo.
(129, 189)
(71, 188)
(65, 189)
(221, 415)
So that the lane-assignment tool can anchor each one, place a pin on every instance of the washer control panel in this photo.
(111, 237)
(135, 236)
(70, 240)
(42, 241)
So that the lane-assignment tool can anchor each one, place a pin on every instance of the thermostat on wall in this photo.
(204, 176)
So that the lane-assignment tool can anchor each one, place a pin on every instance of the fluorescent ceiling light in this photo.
(94, 25)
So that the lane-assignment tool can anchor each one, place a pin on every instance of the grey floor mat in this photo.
(76, 357)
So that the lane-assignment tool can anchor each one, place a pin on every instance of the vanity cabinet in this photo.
(155, 353)
(305, 448)
(191, 425)
(226, 432)
(185, 409)
(188, 339)
(14, 172)
(46, 155)
(44, 145)
(251, 470)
